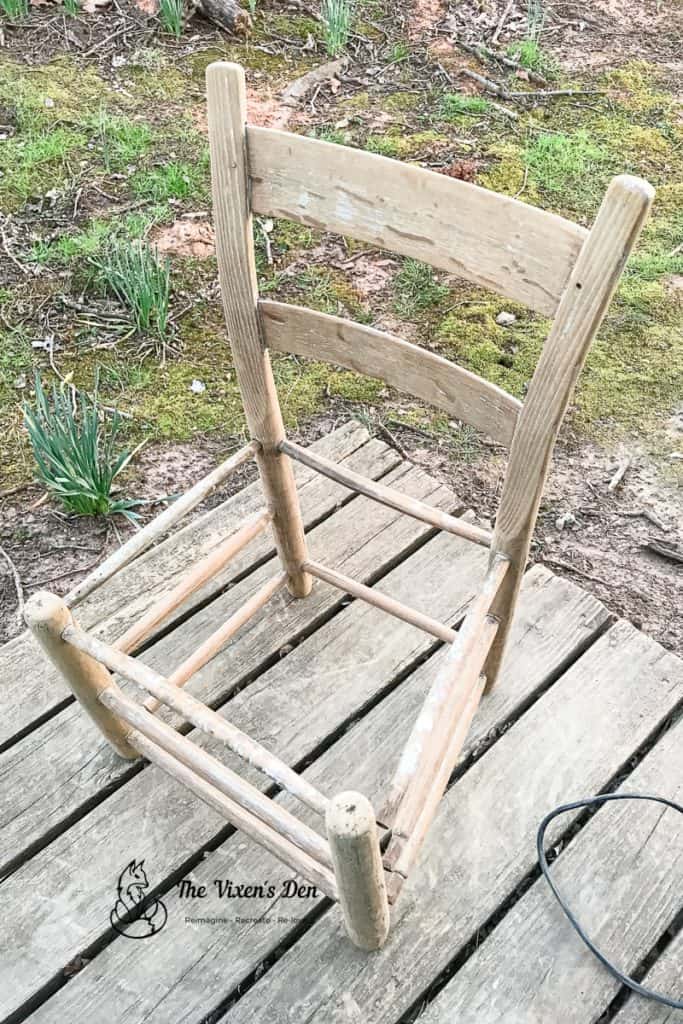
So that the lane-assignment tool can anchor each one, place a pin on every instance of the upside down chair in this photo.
(553, 266)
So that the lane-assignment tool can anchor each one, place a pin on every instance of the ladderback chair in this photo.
(544, 261)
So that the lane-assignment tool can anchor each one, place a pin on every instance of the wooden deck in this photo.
(585, 703)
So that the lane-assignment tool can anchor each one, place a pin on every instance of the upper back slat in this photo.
(500, 243)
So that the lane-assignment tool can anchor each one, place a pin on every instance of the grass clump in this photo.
(75, 452)
(416, 289)
(336, 19)
(28, 161)
(172, 16)
(132, 272)
(172, 181)
(120, 140)
(72, 7)
(568, 168)
(454, 105)
(14, 9)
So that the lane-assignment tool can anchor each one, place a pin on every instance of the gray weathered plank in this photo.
(31, 688)
(622, 876)
(482, 843)
(185, 971)
(292, 708)
(51, 772)
(664, 976)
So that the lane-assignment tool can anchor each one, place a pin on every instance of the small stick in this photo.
(501, 22)
(507, 62)
(664, 550)
(354, 845)
(620, 473)
(17, 584)
(556, 92)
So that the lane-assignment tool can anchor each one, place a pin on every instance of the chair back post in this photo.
(583, 305)
(226, 95)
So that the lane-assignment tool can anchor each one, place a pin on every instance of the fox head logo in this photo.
(133, 915)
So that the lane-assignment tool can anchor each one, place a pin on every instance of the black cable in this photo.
(540, 836)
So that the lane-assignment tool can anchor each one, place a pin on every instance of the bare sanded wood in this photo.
(464, 395)
(196, 578)
(430, 739)
(267, 837)
(481, 846)
(623, 877)
(403, 852)
(354, 845)
(145, 537)
(517, 250)
(47, 616)
(213, 643)
(387, 495)
(219, 775)
(226, 100)
(171, 976)
(590, 288)
(380, 600)
(25, 696)
(202, 717)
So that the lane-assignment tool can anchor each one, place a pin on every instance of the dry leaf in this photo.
(90, 6)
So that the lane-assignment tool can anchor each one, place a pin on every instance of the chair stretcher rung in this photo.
(383, 601)
(219, 775)
(145, 537)
(199, 715)
(213, 643)
(426, 755)
(277, 844)
(198, 575)
(387, 495)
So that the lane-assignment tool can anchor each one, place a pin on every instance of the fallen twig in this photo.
(17, 584)
(620, 473)
(665, 550)
(507, 62)
(501, 21)
(572, 568)
(647, 514)
(301, 87)
(393, 441)
(549, 93)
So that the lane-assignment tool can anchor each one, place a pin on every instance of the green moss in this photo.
(329, 292)
(54, 93)
(291, 26)
(506, 172)
(635, 86)
(456, 105)
(400, 102)
(34, 162)
(404, 147)
(572, 169)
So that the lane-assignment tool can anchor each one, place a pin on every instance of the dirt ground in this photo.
(616, 543)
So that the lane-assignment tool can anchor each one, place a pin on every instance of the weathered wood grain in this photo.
(30, 689)
(55, 769)
(181, 978)
(623, 878)
(226, 96)
(498, 242)
(591, 286)
(464, 395)
(482, 843)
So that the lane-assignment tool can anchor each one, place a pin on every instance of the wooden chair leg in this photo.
(354, 845)
(47, 616)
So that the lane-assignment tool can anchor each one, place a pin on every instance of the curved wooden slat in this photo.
(407, 367)
(510, 247)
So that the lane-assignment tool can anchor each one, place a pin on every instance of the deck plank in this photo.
(572, 741)
(32, 689)
(664, 976)
(53, 771)
(186, 972)
(623, 877)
